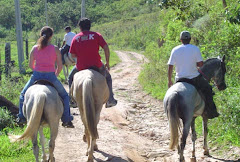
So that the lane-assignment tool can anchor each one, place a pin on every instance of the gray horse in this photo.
(183, 101)
(42, 105)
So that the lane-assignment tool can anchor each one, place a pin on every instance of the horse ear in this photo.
(223, 59)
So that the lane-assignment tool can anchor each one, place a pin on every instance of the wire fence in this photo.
(9, 54)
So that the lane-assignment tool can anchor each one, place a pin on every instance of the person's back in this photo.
(185, 58)
(86, 47)
(45, 58)
(69, 37)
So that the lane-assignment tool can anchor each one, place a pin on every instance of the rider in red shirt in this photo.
(85, 47)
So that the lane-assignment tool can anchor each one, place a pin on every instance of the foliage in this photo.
(6, 120)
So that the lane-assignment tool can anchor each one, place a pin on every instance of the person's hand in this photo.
(107, 66)
(56, 74)
(170, 83)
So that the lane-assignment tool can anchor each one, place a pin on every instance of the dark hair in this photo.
(67, 28)
(186, 41)
(45, 33)
(84, 23)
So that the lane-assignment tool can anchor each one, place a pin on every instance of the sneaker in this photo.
(68, 124)
(111, 103)
(73, 104)
(21, 121)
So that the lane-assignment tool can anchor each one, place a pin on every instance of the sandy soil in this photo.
(134, 130)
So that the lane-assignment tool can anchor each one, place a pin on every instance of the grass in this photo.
(19, 151)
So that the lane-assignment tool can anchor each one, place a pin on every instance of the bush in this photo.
(6, 120)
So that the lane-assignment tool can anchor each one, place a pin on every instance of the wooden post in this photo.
(7, 59)
(19, 36)
(0, 67)
(26, 41)
(46, 12)
(83, 10)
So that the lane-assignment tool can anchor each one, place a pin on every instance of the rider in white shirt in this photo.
(67, 42)
(187, 59)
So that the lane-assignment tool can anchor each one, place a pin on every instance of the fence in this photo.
(5, 67)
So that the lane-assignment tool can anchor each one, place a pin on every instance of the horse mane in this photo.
(210, 60)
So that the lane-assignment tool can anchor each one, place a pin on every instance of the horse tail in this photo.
(35, 117)
(89, 108)
(173, 118)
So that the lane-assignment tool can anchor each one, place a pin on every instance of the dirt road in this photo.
(134, 130)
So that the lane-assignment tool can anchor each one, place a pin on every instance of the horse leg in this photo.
(54, 132)
(67, 73)
(35, 146)
(44, 157)
(87, 136)
(205, 133)
(194, 137)
(90, 149)
(64, 72)
(186, 127)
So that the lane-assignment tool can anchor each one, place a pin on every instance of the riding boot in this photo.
(210, 108)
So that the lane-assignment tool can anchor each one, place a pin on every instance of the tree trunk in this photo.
(224, 3)
(13, 109)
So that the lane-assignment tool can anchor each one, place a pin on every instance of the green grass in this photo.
(19, 151)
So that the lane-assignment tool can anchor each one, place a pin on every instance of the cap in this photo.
(185, 35)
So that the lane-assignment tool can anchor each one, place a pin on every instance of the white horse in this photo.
(42, 105)
(90, 90)
(69, 61)
(183, 101)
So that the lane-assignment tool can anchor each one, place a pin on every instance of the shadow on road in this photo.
(224, 160)
(109, 157)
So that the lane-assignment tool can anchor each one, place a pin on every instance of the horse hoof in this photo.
(206, 152)
(90, 160)
(95, 148)
(193, 159)
(87, 153)
(84, 138)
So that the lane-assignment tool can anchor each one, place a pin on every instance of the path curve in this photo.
(134, 130)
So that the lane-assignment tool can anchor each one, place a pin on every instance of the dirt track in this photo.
(135, 130)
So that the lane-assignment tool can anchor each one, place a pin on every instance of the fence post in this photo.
(26, 41)
(59, 44)
(7, 58)
(0, 66)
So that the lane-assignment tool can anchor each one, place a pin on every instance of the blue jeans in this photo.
(66, 117)
(102, 71)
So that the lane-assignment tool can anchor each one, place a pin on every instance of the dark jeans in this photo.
(103, 71)
(64, 50)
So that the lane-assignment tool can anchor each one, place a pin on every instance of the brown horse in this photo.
(42, 105)
(90, 91)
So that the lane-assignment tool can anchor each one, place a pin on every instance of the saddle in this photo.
(44, 82)
(189, 81)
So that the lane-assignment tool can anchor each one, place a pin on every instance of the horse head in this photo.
(215, 69)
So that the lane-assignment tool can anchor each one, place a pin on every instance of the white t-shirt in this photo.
(68, 38)
(185, 58)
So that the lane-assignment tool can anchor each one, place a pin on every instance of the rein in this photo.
(205, 77)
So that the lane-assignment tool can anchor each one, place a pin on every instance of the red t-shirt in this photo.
(85, 46)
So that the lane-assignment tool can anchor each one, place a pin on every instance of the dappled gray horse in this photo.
(183, 101)
(42, 105)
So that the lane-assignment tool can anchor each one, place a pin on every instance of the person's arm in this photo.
(59, 62)
(107, 55)
(31, 60)
(200, 64)
(170, 70)
(73, 55)
(64, 42)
